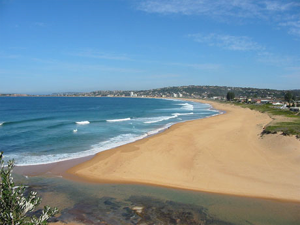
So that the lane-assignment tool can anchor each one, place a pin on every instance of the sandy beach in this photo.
(223, 154)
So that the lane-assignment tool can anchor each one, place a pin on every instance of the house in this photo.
(257, 101)
(277, 103)
(217, 97)
(265, 101)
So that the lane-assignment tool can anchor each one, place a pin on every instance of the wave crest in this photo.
(114, 142)
(83, 122)
(162, 118)
(187, 106)
(118, 120)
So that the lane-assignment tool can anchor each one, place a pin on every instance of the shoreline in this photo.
(61, 166)
(83, 169)
(142, 136)
(131, 164)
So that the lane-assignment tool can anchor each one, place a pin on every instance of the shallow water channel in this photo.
(140, 204)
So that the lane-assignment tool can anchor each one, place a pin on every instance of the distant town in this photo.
(247, 95)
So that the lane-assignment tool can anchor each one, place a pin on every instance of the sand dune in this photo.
(222, 154)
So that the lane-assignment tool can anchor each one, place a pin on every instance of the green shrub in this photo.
(14, 205)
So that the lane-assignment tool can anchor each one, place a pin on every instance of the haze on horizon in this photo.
(85, 45)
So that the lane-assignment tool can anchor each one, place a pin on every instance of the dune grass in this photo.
(284, 121)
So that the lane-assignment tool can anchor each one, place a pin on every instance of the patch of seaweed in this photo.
(154, 211)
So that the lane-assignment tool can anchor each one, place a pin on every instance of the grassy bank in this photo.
(284, 121)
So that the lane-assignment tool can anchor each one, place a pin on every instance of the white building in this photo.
(132, 94)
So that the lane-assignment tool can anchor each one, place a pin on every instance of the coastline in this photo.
(223, 154)
(138, 126)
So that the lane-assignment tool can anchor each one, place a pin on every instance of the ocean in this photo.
(41, 130)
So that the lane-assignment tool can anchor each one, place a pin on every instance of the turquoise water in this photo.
(44, 130)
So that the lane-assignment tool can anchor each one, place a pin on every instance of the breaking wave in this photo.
(187, 106)
(162, 118)
(118, 120)
(83, 122)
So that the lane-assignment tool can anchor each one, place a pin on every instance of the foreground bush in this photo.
(14, 205)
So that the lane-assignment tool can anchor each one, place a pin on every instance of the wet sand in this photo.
(223, 154)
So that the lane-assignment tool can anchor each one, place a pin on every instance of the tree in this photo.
(288, 97)
(230, 95)
(14, 205)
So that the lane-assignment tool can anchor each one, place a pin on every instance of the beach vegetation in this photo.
(16, 203)
(285, 121)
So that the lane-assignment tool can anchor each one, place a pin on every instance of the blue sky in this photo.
(85, 45)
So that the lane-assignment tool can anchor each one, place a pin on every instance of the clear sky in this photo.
(85, 45)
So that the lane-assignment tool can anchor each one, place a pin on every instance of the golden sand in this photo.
(222, 154)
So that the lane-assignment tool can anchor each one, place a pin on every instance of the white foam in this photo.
(118, 120)
(109, 143)
(187, 106)
(160, 118)
(183, 114)
(214, 110)
(172, 99)
(83, 122)
(102, 146)
(1, 123)
(150, 133)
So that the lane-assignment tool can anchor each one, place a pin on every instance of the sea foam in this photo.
(102, 146)
(153, 132)
(83, 122)
(183, 114)
(139, 127)
(162, 118)
(187, 106)
(118, 120)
